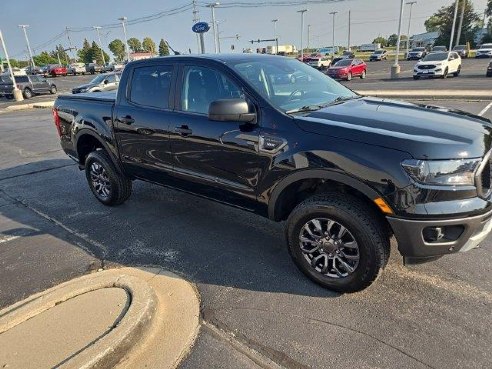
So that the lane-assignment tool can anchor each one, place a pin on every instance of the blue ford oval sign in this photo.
(200, 27)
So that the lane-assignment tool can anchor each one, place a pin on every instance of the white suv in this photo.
(485, 51)
(440, 64)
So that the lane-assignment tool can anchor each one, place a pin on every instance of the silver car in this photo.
(103, 82)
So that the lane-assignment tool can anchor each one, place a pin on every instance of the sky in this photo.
(48, 19)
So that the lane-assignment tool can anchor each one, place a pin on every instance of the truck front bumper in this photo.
(426, 239)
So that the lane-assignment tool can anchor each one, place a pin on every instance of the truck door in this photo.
(142, 120)
(220, 158)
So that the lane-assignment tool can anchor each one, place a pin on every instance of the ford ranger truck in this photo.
(276, 137)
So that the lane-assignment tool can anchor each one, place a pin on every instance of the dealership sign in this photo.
(200, 27)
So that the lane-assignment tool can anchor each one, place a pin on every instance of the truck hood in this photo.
(423, 131)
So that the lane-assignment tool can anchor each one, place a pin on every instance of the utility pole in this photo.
(214, 25)
(274, 21)
(454, 24)
(218, 37)
(24, 26)
(333, 36)
(349, 29)
(461, 23)
(308, 36)
(196, 18)
(67, 31)
(409, 23)
(97, 28)
(127, 49)
(395, 68)
(17, 93)
(302, 31)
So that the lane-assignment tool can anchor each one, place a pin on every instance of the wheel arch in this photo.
(87, 141)
(284, 199)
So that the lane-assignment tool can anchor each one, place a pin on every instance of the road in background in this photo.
(419, 317)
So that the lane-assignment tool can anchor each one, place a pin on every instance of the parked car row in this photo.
(55, 70)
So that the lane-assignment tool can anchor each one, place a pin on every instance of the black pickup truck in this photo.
(274, 136)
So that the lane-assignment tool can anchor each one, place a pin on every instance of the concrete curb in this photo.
(429, 94)
(38, 105)
(137, 327)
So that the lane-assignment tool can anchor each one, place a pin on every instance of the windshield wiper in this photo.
(305, 109)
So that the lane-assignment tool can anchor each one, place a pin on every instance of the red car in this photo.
(54, 70)
(348, 68)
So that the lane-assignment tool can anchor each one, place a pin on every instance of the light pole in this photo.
(97, 28)
(123, 21)
(214, 25)
(17, 93)
(333, 37)
(274, 21)
(349, 29)
(309, 37)
(409, 23)
(454, 24)
(302, 31)
(24, 26)
(460, 27)
(395, 68)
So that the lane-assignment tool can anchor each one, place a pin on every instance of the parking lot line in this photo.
(485, 110)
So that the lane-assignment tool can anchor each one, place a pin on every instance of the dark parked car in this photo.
(344, 172)
(93, 68)
(462, 50)
(489, 70)
(30, 85)
(347, 69)
(345, 55)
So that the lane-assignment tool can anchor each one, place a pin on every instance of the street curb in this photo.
(139, 327)
(39, 105)
(428, 94)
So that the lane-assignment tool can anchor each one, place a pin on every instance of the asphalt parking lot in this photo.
(434, 315)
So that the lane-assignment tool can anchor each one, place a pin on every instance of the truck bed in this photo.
(108, 96)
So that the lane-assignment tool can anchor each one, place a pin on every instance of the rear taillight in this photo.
(56, 118)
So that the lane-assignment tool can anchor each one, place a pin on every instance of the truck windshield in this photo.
(289, 84)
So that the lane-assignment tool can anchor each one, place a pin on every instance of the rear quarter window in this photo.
(151, 86)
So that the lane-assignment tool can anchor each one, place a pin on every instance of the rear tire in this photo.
(352, 268)
(106, 182)
(416, 77)
(27, 93)
(53, 89)
(457, 73)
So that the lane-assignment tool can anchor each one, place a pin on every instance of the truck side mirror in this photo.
(231, 110)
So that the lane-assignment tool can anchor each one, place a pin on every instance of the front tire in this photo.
(27, 93)
(53, 89)
(349, 76)
(363, 75)
(445, 75)
(107, 184)
(337, 241)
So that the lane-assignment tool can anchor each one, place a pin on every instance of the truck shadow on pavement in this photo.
(206, 242)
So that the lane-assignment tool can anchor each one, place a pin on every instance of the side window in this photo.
(111, 78)
(202, 85)
(151, 86)
(23, 79)
(35, 79)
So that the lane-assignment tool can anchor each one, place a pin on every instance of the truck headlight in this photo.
(442, 172)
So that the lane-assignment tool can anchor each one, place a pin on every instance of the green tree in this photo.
(84, 54)
(44, 58)
(148, 45)
(60, 50)
(442, 21)
(95, 54)
(134, 44)
(393, 39)
(380, 40)
(117, 47)
(488, 11)
(163, 48)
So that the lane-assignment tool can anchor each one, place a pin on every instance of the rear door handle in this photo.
(126, 120)
(183, 131)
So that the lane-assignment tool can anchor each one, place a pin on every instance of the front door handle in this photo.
(126, 120)
(183, 131)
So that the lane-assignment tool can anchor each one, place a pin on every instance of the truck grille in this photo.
(483, 178)
(426, 66)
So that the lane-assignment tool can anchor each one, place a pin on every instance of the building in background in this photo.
(141, 55)
(424, 39)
